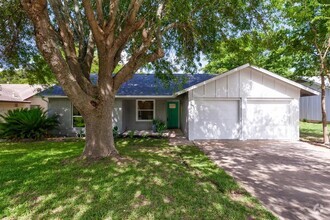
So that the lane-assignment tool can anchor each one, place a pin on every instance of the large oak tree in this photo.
(132, 33)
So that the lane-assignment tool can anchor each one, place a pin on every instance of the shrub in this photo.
(115, 132)
(26, 123)
(131, 134)
(160, 125)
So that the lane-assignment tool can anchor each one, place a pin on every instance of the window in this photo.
(145, 110)
(77, 119)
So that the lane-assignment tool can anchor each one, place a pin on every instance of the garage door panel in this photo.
(269, 119)
(216, 120)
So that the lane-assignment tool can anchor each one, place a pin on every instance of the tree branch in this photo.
(175, 25)
(133, 9)
(46, 42)
(96, 29)
(69, 47)
(112, 17)
(65, 32)
(99, 11)
(131, 67)
(88, 56)
(131, 25)
(137, 60)
(77, 24)
(327, 47)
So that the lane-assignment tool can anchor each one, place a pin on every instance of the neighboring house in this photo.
(310, 106)
(14, 96)
(244, 103)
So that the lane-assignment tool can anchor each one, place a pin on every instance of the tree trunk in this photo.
(99, 133)
(324, 112)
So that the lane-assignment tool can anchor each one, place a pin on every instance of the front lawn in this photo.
(311, 131)
(45, 180)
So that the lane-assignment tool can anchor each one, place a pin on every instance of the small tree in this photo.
(309, 32)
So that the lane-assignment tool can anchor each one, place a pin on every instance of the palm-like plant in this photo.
(26, 123)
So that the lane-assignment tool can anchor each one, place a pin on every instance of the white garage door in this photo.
(269, 119)
(215, 120)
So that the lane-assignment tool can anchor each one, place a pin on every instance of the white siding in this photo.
(210, 90)
(233, 85)
(246, 85)
(221, 88)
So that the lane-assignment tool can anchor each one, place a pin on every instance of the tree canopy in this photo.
(267, 50)
(295, 34)
(309, 33)
(185, 31)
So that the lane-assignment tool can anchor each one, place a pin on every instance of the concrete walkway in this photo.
(291, 179)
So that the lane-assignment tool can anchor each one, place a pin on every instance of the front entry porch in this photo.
(138, 115)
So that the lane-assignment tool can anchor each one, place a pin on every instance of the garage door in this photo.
(215, 120)
(269, 119)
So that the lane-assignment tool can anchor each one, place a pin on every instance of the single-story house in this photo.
(244, 103)
(310, 106)
(14, 96)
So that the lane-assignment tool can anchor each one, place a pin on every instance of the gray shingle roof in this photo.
(146, 85)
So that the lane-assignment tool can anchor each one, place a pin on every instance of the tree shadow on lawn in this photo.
(44, 180)
(310, 132)
(311, 136)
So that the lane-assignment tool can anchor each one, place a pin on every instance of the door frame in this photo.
(179, 109)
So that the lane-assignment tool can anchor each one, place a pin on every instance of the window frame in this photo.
(137, 110)
(77, 116)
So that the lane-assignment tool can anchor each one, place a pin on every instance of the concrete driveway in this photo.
(291, 179)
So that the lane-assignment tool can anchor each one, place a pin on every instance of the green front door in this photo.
(172, 114)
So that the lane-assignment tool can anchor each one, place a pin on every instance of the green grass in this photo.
(311, 131)
(44, 180)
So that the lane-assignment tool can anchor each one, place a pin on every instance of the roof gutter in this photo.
(127, 96)
(13, 101)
